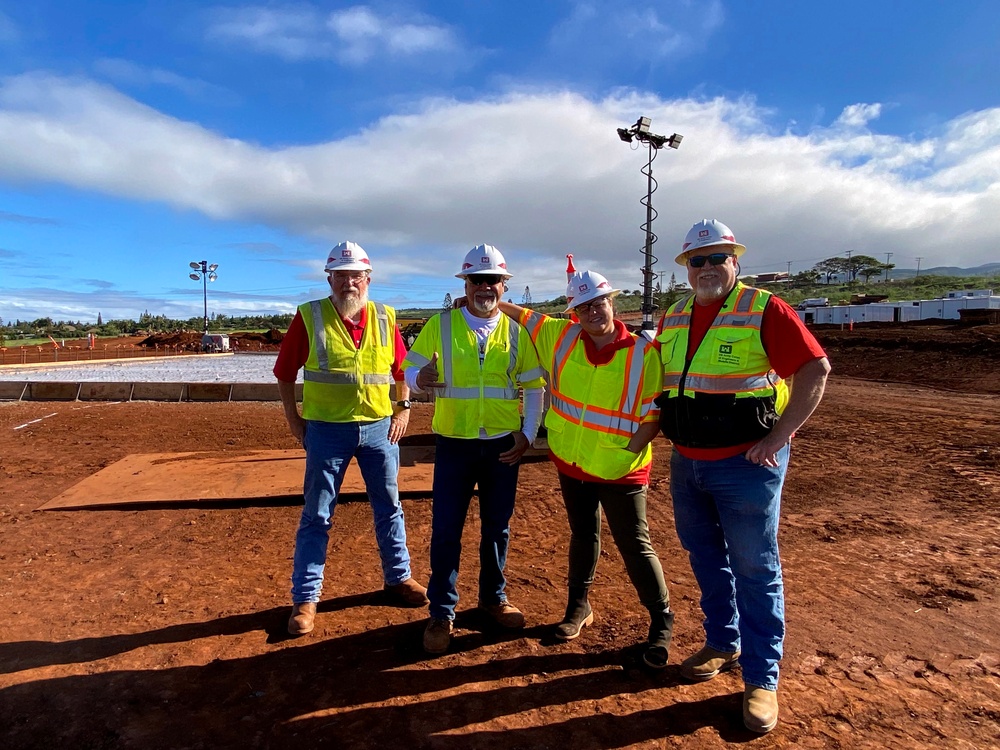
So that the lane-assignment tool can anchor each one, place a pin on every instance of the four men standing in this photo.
(737, 374)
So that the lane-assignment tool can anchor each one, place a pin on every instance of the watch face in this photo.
(403, 404)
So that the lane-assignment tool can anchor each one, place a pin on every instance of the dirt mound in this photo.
(239, 341)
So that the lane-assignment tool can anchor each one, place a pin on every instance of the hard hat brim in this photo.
(355, 266)
(738, 250)
(467, 274)
(583, 299)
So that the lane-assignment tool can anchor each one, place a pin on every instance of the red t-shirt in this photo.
(623, 340)
(787, 341)
(294, 349)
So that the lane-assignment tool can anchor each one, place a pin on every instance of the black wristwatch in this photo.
(404, 404)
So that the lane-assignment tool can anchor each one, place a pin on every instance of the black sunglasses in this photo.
(485, 278)
(716, 259)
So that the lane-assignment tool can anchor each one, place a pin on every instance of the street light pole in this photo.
(640, 132)
(205, 273)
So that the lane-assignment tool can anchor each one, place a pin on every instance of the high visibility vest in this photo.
(476, 397)
(344, 382)
(730, 361)
(595, 410)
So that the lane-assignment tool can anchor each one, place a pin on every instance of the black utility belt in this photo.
(715, 420)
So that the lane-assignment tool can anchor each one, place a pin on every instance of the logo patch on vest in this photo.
(726, 356)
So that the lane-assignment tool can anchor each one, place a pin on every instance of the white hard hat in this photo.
(348, 256)
(708, 233)
(585, 287)
(483, 259)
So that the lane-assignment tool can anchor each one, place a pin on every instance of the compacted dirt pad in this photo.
(163, 627)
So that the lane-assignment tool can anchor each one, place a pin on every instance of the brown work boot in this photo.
(504, 614)
(760, 709)
(707, 663)
(301, 620)
(437, 635)
(409, 593)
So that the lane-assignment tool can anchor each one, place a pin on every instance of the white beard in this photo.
(349, 305)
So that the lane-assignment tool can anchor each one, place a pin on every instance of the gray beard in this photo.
(350, 306)
(485, 307)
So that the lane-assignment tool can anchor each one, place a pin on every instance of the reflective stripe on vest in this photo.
(448, 363)
(344, 378)
(746, 314)
(625, 419)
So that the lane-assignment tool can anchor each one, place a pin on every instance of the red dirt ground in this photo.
(162, 628)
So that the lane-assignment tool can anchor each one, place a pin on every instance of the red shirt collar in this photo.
(623, 339)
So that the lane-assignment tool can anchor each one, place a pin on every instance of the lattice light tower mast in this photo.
(640, 132)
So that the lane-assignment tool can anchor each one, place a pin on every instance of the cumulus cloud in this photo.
(459, 173)
(353, 36)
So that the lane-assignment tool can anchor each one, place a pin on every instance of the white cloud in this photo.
(643, 33)
(538, 174)
(352, 36)
(127, 73)
(858, 115)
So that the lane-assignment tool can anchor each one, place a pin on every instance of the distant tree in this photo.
(805, 278)
(446, 305)
(831, 267)
(869, 271)
(3, 337)
(858, 263)
(886, 267)
(99, 321)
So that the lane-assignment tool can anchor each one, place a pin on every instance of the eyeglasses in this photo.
(716, 259)
(484, 278)
(598, 303)
(355, 277)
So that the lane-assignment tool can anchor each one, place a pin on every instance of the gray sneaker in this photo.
(437, 636)
(707, 663)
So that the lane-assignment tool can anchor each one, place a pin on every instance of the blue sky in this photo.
(136, 137)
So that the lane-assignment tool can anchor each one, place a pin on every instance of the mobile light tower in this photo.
(204, 273)
(640, 132)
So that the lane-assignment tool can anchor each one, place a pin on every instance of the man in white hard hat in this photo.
(473, 360)
(351, 351)
(603, 380)
(741, 374)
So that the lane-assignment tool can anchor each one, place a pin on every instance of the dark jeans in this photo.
(625, 508)
(460, 466)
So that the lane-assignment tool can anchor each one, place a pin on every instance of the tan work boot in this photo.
(301, 620)
(409, 593)
(707, 663)
(437, 636)
(760, 709)
(504, 614)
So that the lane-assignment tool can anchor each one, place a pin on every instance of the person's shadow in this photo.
(372, 689)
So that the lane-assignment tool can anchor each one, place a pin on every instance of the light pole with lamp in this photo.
(640, 132)
(205, 273)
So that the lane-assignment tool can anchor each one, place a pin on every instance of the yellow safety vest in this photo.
(476, 397)
(344, 382)
(595, 410)
(730, 361)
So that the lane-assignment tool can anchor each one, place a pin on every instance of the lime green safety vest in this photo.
(594, 410)
(476, 397)
(344, 382)
(727, 393)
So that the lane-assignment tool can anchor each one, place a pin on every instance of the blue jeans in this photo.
(459, 466)
(330, 446)
(727, 519)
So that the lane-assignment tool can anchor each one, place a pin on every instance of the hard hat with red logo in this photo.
(586, 287)
(348, 256)
(484, 259)
(708, 233)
